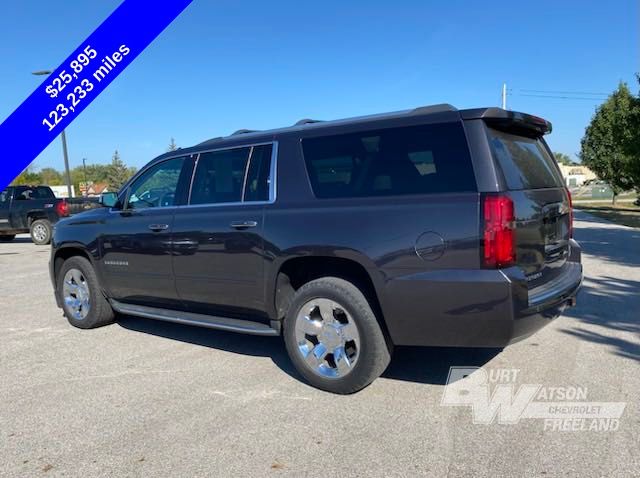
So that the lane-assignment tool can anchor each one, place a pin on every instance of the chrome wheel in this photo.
(327, 338)
(75, 291)
(39, 232)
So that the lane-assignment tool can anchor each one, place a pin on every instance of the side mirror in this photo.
(109, 199)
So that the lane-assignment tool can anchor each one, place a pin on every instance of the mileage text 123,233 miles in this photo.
(73, 99)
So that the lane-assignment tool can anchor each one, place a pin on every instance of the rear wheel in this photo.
(7, 237)
(82, 301)
(333, 337)
(40, 232)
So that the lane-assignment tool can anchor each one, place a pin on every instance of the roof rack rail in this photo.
(433, 109)
(307, 121)
(244, 131)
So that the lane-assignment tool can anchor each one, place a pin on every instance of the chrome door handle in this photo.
(158, 227)
(243, 224)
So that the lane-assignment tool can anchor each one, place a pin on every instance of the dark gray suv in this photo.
(433, 226)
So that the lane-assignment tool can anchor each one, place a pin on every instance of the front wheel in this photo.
(333, 338)
(82, 301)
(40, 232)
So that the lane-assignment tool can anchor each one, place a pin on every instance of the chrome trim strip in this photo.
(559, 288)
(190, 318)
(246, 173)
(193, 175)
(273, 174)
(273, 182)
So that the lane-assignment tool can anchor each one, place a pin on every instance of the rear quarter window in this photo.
(525, 162)
(43, 193)
(423, 159)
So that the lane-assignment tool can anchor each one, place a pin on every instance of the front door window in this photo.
(156, 187)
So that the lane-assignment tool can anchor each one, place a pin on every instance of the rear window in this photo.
(39, 192)
(525, 162)
(422, 159)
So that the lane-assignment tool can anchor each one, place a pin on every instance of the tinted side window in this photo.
(219, 176)
(157, 186)
(257, 187)
(22, 193)
(525, 162)
(43, 193)
(38, 192)
(397, 161)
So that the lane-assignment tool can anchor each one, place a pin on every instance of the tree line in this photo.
(114, 174)
(611, 143)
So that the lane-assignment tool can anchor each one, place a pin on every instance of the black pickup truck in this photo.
(32, 209)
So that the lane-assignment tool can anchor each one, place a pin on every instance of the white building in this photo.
(62, 191)
(576, 175)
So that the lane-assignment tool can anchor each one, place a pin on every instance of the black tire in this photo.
(7, 237)
(40, 231)
(100, 312)
(374, 353)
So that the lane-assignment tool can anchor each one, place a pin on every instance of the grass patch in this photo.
(627, 214)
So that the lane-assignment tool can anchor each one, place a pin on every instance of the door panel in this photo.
(136, 246)
(219, 267)
(137, 260)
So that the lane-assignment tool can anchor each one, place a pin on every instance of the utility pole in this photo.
(86, 183)
(504, 96)
(67, 173)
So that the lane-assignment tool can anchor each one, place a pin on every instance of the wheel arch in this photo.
(67, 251)
(294, 272)
(35, 215)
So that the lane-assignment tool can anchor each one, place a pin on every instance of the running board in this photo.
(200, 320)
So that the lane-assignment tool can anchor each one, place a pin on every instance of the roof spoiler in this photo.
(510, 120)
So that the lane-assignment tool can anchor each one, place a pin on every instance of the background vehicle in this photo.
(32, 209)
(432, 226)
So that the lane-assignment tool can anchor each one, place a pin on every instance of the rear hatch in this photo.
(542, 205)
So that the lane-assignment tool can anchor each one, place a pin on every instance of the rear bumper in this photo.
(475, 308)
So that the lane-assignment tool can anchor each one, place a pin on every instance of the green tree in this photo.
(563, 159)
(118, 172)
(607, 143)
(172, 145)
(632, 147)
(96, 173)
(51, 177)
(27, 177)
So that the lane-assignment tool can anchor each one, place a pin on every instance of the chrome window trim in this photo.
(193, 175)
(246, 173)
(272, 180)
(273, 174)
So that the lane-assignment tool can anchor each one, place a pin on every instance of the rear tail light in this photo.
(570, 213)
(62, 208)
(498, 231)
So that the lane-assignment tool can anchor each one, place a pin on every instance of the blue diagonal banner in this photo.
(80, 79)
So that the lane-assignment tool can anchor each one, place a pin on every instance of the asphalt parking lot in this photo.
(143, 398)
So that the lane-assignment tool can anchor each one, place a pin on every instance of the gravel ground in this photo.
(143, 398)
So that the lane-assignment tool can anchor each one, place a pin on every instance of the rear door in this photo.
(541, 202)
(218, 250)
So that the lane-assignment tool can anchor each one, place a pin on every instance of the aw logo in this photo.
(493, 394)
